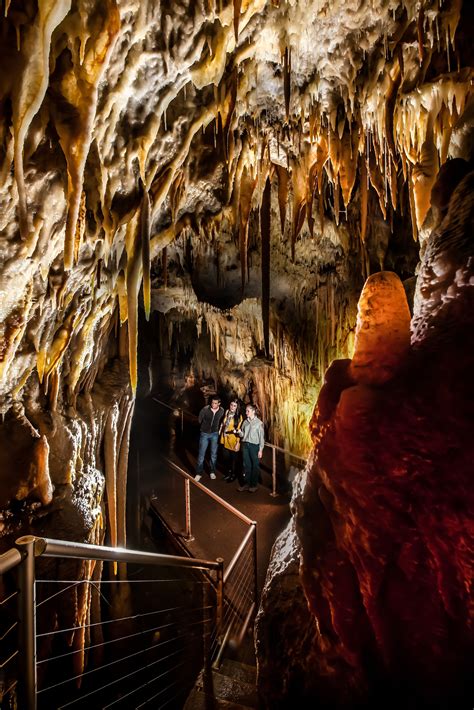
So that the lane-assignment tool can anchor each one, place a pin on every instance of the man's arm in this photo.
(201, 415)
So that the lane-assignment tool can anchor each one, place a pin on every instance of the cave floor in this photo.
(156, 436)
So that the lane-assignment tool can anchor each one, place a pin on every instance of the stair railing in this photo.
(240, 581)
(183, 626)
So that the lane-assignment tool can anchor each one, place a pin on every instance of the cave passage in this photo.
(268, 200)
(157, 438)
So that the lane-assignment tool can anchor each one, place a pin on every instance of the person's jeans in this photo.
(251, 463)
(204, 440)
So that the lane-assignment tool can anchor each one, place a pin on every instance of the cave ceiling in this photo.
(135, 131)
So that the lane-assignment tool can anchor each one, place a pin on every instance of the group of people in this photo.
(234, 433)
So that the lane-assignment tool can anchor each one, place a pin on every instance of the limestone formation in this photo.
(384, 523)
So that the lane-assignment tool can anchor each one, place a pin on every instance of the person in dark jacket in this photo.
(210, 418)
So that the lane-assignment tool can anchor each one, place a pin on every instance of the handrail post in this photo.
(27, 618)
(187, 498)
(274, 493)
(220, 597)
(255, 565)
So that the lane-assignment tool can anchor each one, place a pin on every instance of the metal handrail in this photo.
(62, 548)
(30, 547)
(238, 553)
(10, 559)
(251, 533)
(211, 494)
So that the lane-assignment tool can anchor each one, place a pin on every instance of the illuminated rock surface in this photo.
(384, 529)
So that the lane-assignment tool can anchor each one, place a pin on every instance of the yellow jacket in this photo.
(228, 440)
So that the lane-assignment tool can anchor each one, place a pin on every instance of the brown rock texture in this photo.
(385, 520)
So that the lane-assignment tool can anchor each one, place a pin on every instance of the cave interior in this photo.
(271, 200)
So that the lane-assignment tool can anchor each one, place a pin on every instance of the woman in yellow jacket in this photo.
(229, 439)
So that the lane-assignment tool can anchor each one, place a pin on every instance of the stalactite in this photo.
(164, 266)
(133, 277)
(364, 197)
(287, 81)
(248, 184)
(145, 242)
(283, 179)
(423, 177)
(110, 461)
(265, 230)
(237, 7)
(30, 91)
(80, 85)
(299, 180)
(123, 446)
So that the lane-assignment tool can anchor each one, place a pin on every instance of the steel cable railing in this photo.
(239, 602)
(9, 651)
(153, 635)
(240, 597)
(150, 652)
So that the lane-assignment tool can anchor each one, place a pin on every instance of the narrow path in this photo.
(156, 435)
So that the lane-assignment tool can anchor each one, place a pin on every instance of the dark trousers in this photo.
(251, 464)
(229, 459)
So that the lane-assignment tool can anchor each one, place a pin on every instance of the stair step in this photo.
(198, 700)
(230, 688)
(239, 671)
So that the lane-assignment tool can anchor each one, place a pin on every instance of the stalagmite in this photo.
(122, 468)
(383, 330)
(110, 447)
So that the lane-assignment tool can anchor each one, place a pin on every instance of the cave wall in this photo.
(378, 558)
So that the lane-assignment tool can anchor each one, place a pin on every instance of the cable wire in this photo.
(119, 660)
(144, 685)
(116, 680)
(123, 618)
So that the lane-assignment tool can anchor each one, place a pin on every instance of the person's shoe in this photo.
(243, 488)
(212, 475)
(230, 479)
(197, 477)
(253, 489)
